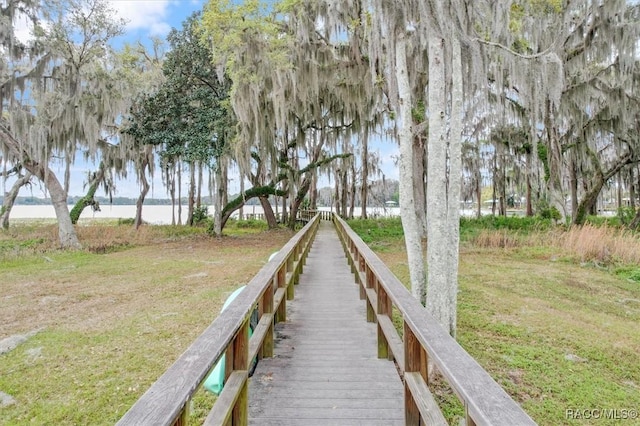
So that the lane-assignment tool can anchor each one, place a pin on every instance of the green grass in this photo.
(555, 332)
(110, 324)
(379, 234)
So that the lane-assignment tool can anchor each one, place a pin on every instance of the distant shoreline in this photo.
(115, 201)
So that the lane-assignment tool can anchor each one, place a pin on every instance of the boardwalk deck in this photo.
(325, 369)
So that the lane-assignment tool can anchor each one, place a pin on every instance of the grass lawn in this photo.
(551, 315)
(107, 321)
(558, 333)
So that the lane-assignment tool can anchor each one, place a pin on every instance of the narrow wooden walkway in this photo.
(325, 369)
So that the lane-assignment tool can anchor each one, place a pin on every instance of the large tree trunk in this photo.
(313, 191)
(573, 184)
(218, 199)
(454, 188)
(241, 210)
(352, 192)
(262, 192)
(66, 232)
(529, 192)
(337, 192)
(344, 190)
(140, 200)
(10, 198)
(420, 184)
(478, 180)
(599, 178)
(272, 222)
(179, 192)
(192, 193)
(170, 178)
(225, 181)
(410, 223)
(619, 191)
(365, 173)
(89, 198)
(501, 177)
(142, 175)
(200, 180)
(554, 158)
(441, 293)
(632, 190)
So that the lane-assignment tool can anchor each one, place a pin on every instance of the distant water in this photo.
(161, 214)
(155, 214)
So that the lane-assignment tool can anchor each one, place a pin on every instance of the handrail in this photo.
(167, 401)
(424, 340)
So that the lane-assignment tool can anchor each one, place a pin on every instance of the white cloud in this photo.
(149, 15)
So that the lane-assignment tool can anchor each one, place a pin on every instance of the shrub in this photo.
(201, 216)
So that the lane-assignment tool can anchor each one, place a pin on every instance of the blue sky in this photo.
(155, 18)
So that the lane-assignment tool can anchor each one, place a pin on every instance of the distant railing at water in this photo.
(167, 401)
(303, 215)
(424, 341)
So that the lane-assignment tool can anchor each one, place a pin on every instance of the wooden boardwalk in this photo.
(325, 369)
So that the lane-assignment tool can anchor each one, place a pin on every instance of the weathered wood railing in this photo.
(167, 401)
(306, 215)
(424, 340)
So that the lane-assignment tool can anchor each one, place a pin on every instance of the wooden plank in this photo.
(325, 366)
(429, 410)
(222, 409)
(333, 414)
(281, 421)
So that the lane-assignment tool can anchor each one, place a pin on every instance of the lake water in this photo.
(153, 214)
(161, 214)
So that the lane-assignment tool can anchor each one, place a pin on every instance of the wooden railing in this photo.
(167, 401)
(424, 341)
(303, 215)
(306, 215)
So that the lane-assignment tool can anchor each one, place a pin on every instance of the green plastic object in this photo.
(215, 381)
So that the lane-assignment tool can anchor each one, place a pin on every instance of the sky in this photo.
(155, 18)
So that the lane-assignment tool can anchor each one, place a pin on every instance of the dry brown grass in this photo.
(600, 244)
(498, 239)
(597, 244)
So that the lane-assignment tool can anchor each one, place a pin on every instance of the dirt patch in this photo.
(12, 342)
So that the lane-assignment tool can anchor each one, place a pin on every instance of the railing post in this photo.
(265, 306)
(369, 284)
(237, 358)
(383, 308)
(183, 419)
(290, 285)
(415, 360)
(281, 313)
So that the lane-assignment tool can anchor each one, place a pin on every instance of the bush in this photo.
(550, 213)
(201, 216)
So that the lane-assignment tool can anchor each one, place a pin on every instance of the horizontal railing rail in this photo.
(423, 342)
(167, 401)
